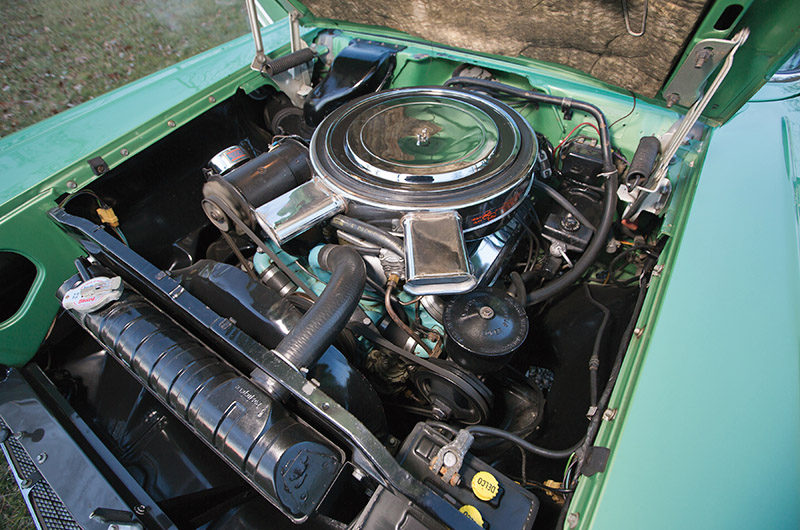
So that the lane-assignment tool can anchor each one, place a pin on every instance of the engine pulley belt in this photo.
(368, 453)
(263, 247)
(371, 335)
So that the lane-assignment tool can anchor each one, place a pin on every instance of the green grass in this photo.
(55, 54)
(13, 512)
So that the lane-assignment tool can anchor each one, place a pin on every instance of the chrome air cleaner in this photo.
(428, 148)
(453, 164)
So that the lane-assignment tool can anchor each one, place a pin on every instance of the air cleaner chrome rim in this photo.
(427, 148)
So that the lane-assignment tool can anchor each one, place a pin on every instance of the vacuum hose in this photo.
(609, 170)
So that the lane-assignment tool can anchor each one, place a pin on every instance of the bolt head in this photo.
(140, 510)
(212, 99)
(450, 459)
(41, 457)
(216, 215)
(572, 519)
(486, 312)
(570, 224)
(71, 184)
(124, 152)
(438, 414)
(171, 123)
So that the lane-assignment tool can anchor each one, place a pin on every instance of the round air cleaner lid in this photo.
(484, 328)
(424, 148)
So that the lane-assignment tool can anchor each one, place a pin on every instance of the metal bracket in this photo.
(688, 82)
(98, 165)
(116, 519)
(450, 458)
(296, 82)
(654, 195)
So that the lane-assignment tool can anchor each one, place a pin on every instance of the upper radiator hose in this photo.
(318, 328)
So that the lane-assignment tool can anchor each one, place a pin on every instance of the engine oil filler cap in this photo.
(484, 328)
(485, 486)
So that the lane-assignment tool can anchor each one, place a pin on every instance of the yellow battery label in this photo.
(485, 486)
(473, 513)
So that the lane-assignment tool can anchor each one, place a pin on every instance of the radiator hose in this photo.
(321, 324)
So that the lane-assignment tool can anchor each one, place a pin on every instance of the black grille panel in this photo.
(50, 512)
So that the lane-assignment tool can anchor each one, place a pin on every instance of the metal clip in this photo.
(450, 458)
(626, 14)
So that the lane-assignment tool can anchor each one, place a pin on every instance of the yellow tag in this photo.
(485, 486)
(473, 513)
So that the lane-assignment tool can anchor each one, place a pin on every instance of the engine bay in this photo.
(401, 304)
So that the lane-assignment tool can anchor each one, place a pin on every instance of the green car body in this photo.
(706, 420)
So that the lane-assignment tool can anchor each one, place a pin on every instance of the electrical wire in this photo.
(397, 320)
(602, 403)
(483, 430)
(539, 485)
(651, 251)
(629, 112)
(594, 360)
(583, 124)
(101, 204)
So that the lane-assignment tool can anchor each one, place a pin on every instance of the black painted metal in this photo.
(368, 453)
(359, 69)
(73, 453)
(287, 462)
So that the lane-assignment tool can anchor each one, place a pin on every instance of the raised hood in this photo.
(638, 45)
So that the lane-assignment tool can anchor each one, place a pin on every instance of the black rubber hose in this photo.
(321, 324)
(370, 213)
(564, 203)
(518, 287)
(643, 161)
(281, 64)
(369, 233)
(563, 103)
(609, 169)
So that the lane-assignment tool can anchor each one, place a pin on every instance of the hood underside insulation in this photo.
(589, 35)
